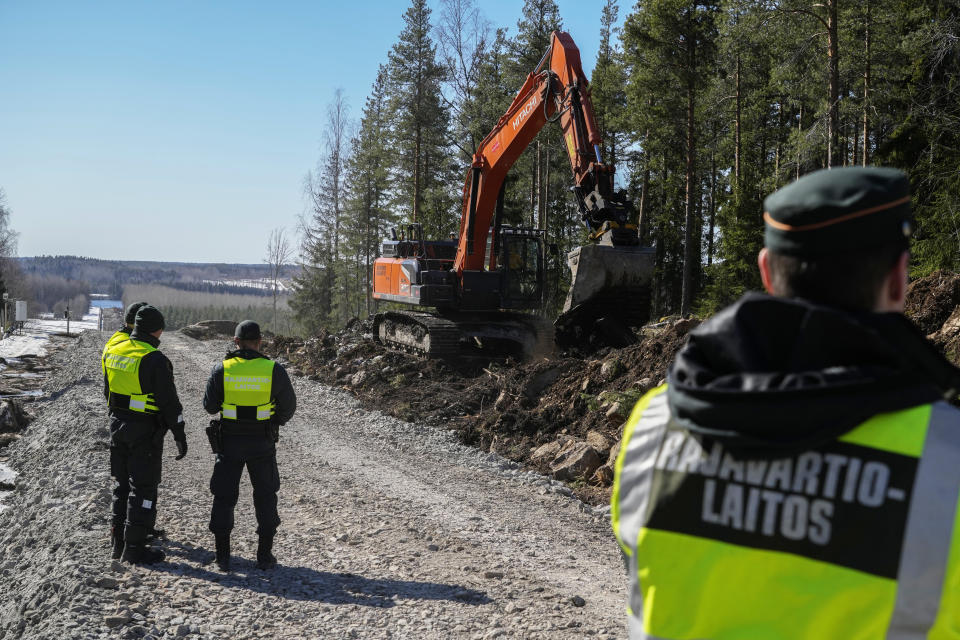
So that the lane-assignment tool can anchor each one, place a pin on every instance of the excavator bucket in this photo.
(609, 293)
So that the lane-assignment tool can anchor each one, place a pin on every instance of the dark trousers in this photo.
(136, 448)
(259, 455)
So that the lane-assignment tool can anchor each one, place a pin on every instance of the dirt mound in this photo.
(561, 415)
(932, 299)
(506, 407)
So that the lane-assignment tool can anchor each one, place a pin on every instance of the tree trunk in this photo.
(856, 145)
(535, 184)
(713, 204)
(691, 243)
(865, 156)
(416, 174)
(546, 192)
(736, 135)
(799, 129)
(642, 213)
(833, 82)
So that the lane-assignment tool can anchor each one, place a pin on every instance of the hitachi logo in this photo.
(526, 111)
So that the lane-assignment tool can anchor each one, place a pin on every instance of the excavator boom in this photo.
(557, 90)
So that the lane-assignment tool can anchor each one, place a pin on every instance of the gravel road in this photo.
(389, 530)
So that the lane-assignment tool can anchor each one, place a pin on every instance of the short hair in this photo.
(850, 280)
(247, 343)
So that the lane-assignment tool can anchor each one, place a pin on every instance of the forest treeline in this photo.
(110, 276)
(705, 108)
(181, 308)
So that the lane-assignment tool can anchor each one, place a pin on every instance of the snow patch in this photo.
(36, 334)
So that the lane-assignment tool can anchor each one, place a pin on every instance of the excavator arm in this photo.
(557, 90)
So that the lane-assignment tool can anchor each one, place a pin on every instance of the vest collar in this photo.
(246, 354)
(145, 337)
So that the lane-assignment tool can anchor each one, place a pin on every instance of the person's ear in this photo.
(893, 295)
(763, 262)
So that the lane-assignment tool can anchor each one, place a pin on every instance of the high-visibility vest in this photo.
(112, 340)
(247, 387)
(856, 539)
(122, 364)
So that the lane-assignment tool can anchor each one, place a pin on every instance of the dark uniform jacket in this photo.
(281, 390)
(156, 377)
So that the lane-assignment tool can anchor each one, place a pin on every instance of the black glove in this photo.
(181, 449)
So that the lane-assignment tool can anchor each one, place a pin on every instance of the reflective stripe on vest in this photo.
(121, 362)
(247, 389)
(858, 538)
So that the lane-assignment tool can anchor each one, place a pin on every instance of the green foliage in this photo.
(423, 170)
(705, 106)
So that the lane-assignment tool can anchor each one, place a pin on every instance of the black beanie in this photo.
(148, 320)
(247, 330)
(131, 314)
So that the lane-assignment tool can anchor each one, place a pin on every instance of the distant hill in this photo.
(109, 276)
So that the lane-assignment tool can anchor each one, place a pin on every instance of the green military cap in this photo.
(836, 210)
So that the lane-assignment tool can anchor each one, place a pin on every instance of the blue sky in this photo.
(181, 130)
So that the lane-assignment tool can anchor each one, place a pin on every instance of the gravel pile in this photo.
(390, 529)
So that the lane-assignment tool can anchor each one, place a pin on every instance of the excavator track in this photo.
(484, 334)
(417, 332)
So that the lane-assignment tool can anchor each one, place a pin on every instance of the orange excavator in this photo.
(485, 283)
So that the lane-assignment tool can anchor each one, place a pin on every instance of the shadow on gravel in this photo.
(302, 583)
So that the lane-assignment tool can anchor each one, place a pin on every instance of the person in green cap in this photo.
(798, 474)
(254, 398)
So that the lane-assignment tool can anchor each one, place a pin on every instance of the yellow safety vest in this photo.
(122, 364)
(856, 539)
(112, 340)
(247, 386)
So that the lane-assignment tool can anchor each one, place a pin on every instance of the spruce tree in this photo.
(422, 172)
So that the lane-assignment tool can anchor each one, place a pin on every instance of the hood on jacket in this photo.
(772, 373)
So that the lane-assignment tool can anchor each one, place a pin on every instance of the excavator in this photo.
(487, 285)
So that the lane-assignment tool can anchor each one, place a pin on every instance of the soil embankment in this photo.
(561, 415)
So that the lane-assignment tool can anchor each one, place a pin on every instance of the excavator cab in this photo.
(521, 261)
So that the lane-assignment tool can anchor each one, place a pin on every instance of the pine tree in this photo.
(670, 46)
(608, 84)
(926, 140)
(368, 193)
(318, 292)
(422, 174)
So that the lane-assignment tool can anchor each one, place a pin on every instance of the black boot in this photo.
(223, 552)
(265, 559)
(116, 541)
(141, 554)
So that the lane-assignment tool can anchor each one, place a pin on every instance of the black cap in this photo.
(130, 316)
(148, 320)
(247, 330)
(837, 210)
